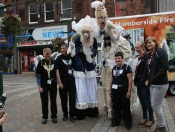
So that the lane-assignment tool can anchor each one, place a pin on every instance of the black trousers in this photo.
(68, 89)
(121, 104)
(52, 90)
(1, 129)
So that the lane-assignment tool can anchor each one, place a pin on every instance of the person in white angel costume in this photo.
(84, 49)
(112, 42)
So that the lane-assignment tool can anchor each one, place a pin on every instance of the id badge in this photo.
(114, 86)
(49, 81)
(70, 72)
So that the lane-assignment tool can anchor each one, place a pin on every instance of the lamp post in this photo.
(1, 79)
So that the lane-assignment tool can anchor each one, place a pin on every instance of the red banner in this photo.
(118, 12)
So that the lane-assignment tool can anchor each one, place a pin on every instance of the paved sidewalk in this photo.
(103, 123)
(24, 111)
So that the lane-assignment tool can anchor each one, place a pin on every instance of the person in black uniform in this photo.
(66, 82)
(120, 91)
(46, 80)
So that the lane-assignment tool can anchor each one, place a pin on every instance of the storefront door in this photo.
(27, 61)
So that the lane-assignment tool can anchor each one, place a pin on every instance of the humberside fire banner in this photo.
(154, 25)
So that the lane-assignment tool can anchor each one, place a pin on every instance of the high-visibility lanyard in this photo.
(48, 68)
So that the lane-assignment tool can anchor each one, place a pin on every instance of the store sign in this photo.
(3, 41)
(27, 43)
(27, 36)
(49, 33)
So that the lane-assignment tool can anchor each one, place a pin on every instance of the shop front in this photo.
(26, 56)
(6, 55)
(32, 44)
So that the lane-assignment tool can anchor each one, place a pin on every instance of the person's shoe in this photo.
(128, 128)
(44, 121)
(54, 120)
(72, 119)
(161, 129)
(142, 122)
(149, 123)
(65, 118)
(109, 114)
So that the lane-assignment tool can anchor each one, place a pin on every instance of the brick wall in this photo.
(135, 7)
(110, 8)
(81, 7)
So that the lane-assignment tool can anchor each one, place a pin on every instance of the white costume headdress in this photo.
(90, 21)
(100, 10)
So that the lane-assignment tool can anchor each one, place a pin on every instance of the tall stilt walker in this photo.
(112, 42)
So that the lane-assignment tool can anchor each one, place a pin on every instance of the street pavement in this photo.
(23, 107)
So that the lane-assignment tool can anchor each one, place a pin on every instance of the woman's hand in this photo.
(146, 83)
(128, 95)
(60, 85)
(40, 89)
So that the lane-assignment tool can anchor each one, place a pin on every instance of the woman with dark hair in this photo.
(157, 80)
(143, 91)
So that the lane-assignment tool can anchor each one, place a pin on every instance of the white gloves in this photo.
(71, 44)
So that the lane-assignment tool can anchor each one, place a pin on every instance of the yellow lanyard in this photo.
(48, 68)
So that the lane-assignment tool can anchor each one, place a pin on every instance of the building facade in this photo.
(166, 5)
(43, 20)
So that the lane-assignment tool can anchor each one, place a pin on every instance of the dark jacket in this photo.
(141, 71)
(158, 67)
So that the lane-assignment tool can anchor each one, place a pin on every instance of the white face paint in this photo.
(86, 34)
(101, 19)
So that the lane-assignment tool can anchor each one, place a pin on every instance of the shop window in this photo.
(49, 11)
(149, 6)
(33, 14)
(7, 63)
(121, 4)
(66, 9)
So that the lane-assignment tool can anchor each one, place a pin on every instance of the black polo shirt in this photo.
(41, 69)
(63, 64)
(119, 75)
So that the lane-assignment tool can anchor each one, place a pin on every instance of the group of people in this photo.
(75, 74)
(50, 72)
(151, 80)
